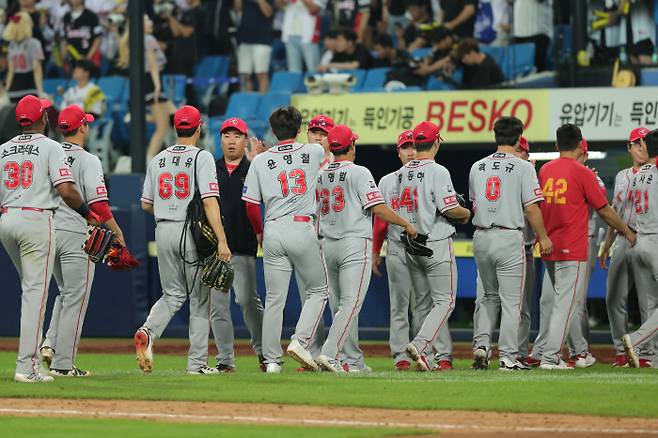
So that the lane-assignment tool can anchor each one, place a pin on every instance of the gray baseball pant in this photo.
(620, 282)
(74, 274)
(526, 304)
(645, 263)
(316, 343)
(29, 238)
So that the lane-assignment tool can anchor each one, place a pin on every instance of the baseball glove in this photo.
(217, 274)
(98, 243)
(120, 259)
(416, 246)
(462, 203)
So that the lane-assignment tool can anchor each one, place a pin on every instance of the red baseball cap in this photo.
(235, 123)
(187, 117)
(72, 117)
(426, 131)
(638, 133)
(30, 109)
(321, 122)
(583, 145)
(406, 137)
(341, 136)
(523, 144)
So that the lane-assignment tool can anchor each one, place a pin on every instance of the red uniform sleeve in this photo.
(594, 194)
(379, 231)
(102, 209)
(253, 214)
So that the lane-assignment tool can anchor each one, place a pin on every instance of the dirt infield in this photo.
(448, 423)
(604, 354)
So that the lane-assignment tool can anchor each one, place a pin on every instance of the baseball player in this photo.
(285, 178)
(348, 196)
(427, 199)
(645, 335)
(645, 191)
(172, 177)
(244, 231)
(504, 191)
(620, 273)
(34, 172)
(73, 271)
(399, 279)
(570, 189)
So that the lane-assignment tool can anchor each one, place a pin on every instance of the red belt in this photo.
(6, 209)
(301, 218)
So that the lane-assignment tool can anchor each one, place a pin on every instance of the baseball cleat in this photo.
(223, 368)
(507, 364)
(419, 359)
(620, 361)
(584, 360)
(633, 360)
(532, 362)
(480, 359)
(204, 370)
(301, 355)
(32, 378)
(554, 366)
(356, 369)
(273, 368)
(261, 363)
(443, 365)
(403, 365)
(47, 355)
(144, 350)
(73, 372)
(330, 365)
(645, 363)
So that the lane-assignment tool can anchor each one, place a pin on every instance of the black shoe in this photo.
(481, 359)
(223, 368)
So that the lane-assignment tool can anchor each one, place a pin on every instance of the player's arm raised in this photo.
(536, 221)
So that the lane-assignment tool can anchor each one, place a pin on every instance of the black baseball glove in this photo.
(416, 246)
(461, 200)
(217, 274)
(98, 244)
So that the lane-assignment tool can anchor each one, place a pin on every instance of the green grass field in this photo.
(600, 390)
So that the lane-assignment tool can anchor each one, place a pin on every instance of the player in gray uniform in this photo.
(348, 196)
(172, 177)
(504, 190)
(399, 278)
(73, 271)
(645, 193)
(34, 172)
(427, 197)
(642, 337)
(285, 178)
(620, 273)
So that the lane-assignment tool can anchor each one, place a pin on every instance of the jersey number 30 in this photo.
(19, 174)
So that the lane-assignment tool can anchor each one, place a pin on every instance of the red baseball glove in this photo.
(120, 259)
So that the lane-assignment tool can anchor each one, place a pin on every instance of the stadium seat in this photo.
(243, 105)
(286, 81)
(497, 53)
(212, 66)
(519, 60)
(173, 87)
(99, 141)
(421, 53)
(436, 84)
(410, 89)
(214, 124)
(115, 89)
(360, 75)
(51, 85)
(268, 103)
(375, 79)
(649, 76)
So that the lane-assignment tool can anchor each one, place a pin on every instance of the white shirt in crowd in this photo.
(533, 18)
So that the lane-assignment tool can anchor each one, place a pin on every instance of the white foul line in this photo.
(344, 423)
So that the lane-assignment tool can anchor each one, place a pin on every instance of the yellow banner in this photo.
(462, 116)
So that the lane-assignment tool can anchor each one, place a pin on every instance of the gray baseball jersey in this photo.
(495, 182)
(295, 166)
(88, 174)
(32, 166)
(388, 186)
(345, 192)
(426, 190)
(645, 191)
(622, 202)
(170, 181)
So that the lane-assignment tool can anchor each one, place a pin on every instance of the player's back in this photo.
(388, 186)
(171, 180)
(32, 165)
(285, 178)
(426, 191)
(645, 195)
(89, 179)
(500, 186)
(345, 193)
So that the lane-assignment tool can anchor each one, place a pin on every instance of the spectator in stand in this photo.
(254, 47)
(400, 62)
(24, 69)
(220, 23)
(186, 26)
(81, 34)
(351, 14)
(394, 16)
(480, 70)
(85, 93)
(349, 54)
(493, 22)
(301, 33)
(459, 16)
(443, 42)
(533, 23)
(154, 63)
(162, 10)
(642, 31)
(103, 8)
(40, 28)
(329, 46)
(419, 32)
(112, 30)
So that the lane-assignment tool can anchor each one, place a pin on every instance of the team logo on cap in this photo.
(643, 131)
(233, 121)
